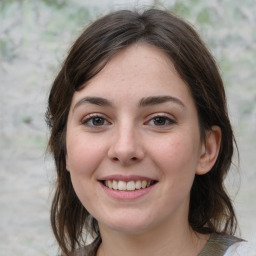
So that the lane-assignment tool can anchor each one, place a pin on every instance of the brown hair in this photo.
(210, 207)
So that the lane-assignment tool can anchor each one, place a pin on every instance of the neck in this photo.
(159, 241)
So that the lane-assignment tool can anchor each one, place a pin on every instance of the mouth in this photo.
(131, 185)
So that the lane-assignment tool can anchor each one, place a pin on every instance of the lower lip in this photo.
(127, 195)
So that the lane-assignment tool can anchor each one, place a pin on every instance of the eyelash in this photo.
(165, 118)
(88, 120)
(92, 117)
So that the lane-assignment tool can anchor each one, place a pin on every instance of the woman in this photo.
(142, 142)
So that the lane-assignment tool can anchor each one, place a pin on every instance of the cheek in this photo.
(173, 149)
(83, 155)
(83, 158)
(177, 154)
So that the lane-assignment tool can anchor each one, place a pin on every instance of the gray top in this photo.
(217, 245)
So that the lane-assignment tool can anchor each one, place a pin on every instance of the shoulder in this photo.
(227, 245)
(241, 248)
(89, 250)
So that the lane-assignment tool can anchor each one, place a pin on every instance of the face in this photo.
(133, 142)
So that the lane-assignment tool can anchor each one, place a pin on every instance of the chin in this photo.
(127, 225)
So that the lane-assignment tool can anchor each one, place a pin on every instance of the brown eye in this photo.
(160, 120)
(95, 121)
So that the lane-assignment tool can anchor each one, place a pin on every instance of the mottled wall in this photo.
(34, 38)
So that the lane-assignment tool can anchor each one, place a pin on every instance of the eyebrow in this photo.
(144, 102)
(148, 101)
(93, 100)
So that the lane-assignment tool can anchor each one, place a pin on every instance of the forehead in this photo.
(141, 59)
(138, 70)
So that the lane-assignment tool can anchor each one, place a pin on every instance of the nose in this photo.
(126, 147)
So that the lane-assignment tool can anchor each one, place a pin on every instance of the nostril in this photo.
(133, 159)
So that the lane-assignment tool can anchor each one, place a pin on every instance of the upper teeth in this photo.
(130, 185)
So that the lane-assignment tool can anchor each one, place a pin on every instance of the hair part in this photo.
(211, 209)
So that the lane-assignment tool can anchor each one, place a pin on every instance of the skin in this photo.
(115, 128)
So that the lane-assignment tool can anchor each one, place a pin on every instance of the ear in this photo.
(210, 150)
(67, 163)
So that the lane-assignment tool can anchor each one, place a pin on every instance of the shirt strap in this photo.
(218, 244)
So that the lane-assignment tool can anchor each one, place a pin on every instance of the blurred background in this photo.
(35, 36)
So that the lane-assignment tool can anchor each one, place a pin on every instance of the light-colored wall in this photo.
(34, 38)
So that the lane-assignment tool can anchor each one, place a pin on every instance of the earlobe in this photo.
(210, 150)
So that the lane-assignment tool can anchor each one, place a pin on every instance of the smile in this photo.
(128, 186)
